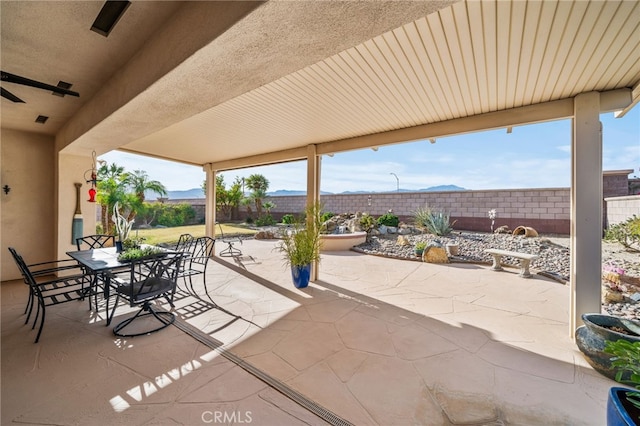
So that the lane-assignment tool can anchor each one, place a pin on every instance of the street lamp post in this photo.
(397, 181)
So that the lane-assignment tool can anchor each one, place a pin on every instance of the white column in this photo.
(210, 203)
(313, 190)
(586, 208)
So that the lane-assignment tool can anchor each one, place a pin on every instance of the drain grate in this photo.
(317, 409)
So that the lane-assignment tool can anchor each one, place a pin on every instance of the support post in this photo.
(586, 208)
(313, 191)
(210, 203)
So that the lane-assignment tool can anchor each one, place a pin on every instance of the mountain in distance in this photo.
(198, 193)
(430, 189)
(177, 195)
(443, 188)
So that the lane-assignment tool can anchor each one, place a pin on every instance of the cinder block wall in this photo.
(546, 210)
(619, 209)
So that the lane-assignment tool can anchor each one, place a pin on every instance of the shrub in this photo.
(436, 222)
(326, 216)
(388, 219)
(176, 215)
(288, 219)
(626, 233)
(265, 220)
(367, 222)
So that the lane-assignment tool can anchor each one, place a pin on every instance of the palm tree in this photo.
(258, 185)
(112, 187)
(138, 181)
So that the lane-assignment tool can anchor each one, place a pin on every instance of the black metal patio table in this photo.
(100, 262)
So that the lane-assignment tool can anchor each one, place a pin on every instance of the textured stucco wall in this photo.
(27, 212)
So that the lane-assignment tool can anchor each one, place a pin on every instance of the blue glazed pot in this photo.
(619, 411)
(301, 275)
(592, 336)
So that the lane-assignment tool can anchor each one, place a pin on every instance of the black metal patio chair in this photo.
(230, 251)
(199, 251)
(50, 283)
(95, 241)
(150, 279)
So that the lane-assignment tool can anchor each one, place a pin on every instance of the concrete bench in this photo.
(525, 260)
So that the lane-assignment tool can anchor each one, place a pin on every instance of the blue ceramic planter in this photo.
(619, 411)
(301, 275)
(592, 336)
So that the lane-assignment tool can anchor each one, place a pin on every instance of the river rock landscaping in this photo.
(621, 277)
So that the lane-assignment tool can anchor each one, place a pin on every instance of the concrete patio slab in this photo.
(373, 341)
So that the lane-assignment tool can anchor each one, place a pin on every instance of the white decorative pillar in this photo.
(210, 202)
(586, 208)
(313, 190)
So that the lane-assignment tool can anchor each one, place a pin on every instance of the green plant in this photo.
(367, 222)
(288, 219)
(265, 220)
(421, 245)
(300, 245)
(388, 219)
(139, 253)
(626, 358)
(326, 216)
(626, 233)
(436, 222)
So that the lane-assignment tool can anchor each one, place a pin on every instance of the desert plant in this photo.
(300, 245)
(626, 233)
(421, 245)
(388, 219)
(626, 358)
(122, 225)
(288, 219)
(367, 222)
(326, 216)
(436, 222)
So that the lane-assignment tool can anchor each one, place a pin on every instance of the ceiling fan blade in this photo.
(12, 78)
(8, 95)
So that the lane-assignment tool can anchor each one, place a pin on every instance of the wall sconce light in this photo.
(91, 176)
(509, 129)
(432, 140)
(6, 189)
(369, 201)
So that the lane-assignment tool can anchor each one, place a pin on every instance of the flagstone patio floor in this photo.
(374, 341)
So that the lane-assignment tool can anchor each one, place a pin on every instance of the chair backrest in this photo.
(22, 266)
(184, 243)
(153, 276)
(202, 250)
(95, 241)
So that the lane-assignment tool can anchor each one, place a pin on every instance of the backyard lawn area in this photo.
(171, 235)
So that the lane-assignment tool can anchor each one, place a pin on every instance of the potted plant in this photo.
(122, 225)
(623, 404)
(300, 245)
(419, 249)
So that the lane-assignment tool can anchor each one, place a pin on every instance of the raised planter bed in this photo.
(341, 242)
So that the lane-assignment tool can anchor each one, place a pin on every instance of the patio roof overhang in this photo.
(230, 83)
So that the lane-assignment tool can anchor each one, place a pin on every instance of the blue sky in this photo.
(533, 156)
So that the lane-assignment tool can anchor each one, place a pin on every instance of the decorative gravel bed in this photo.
(554, 260)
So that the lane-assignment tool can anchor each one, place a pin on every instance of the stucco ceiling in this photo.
(206, 82)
